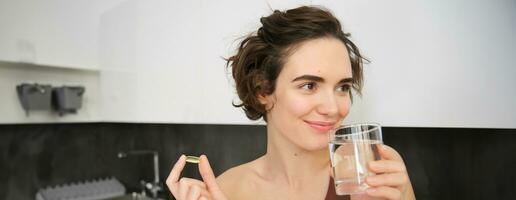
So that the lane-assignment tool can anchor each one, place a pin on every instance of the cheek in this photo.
(345, 107)
(299, 105)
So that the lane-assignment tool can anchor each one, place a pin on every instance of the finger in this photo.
(191, 182)
(194, 193)
(203, 198)
(183, 188)
(209, 178)
(186, 185)
(388, 153)
(385, 192)
(386, 166)
(391, 179)
(331, 173)
(175, 173)
(364, 196)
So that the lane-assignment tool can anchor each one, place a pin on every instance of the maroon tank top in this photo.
(332, 195)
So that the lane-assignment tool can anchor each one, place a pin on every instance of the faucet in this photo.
(155, 186)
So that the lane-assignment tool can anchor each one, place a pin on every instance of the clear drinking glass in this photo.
(351, 148)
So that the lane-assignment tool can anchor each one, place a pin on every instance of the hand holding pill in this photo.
(188, 188)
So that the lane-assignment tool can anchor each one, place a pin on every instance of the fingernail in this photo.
(206, 158)
(180, 157)
(370, 180)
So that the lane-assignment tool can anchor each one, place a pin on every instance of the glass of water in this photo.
(351, 148)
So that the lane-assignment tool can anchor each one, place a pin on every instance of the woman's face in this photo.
(312, 93)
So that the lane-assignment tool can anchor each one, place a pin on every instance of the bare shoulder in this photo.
(239, 181)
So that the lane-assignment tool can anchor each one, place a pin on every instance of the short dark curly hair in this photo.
(261, 55)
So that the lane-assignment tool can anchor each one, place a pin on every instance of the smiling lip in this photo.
(321, 127)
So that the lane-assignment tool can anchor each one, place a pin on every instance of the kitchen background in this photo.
(441, 82)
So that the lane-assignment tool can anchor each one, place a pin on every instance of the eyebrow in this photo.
(320, 79)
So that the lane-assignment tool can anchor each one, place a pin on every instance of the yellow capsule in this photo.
(192, 159)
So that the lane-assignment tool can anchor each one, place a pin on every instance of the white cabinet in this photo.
(52, 33)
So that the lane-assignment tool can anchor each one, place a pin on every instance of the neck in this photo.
(288, 163)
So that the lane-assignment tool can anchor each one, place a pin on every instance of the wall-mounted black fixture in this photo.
(34, 96)
(67, 99)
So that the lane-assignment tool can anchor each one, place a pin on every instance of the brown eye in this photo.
(308, 86)
(345, 88)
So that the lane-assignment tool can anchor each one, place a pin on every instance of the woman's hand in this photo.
(391, 180)
(193, 189)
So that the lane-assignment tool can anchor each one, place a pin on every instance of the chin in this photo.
(316, 146)
(317, 143)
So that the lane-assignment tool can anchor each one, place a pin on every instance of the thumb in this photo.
(209, 179)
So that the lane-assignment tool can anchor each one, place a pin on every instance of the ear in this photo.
(263, 99)
(267, 100)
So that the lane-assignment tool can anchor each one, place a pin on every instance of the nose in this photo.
(328, 104)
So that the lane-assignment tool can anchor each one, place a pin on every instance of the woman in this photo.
(297, 73)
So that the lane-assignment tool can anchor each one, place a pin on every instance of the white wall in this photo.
(434, 63)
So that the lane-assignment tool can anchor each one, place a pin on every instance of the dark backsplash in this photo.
(443, 163)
